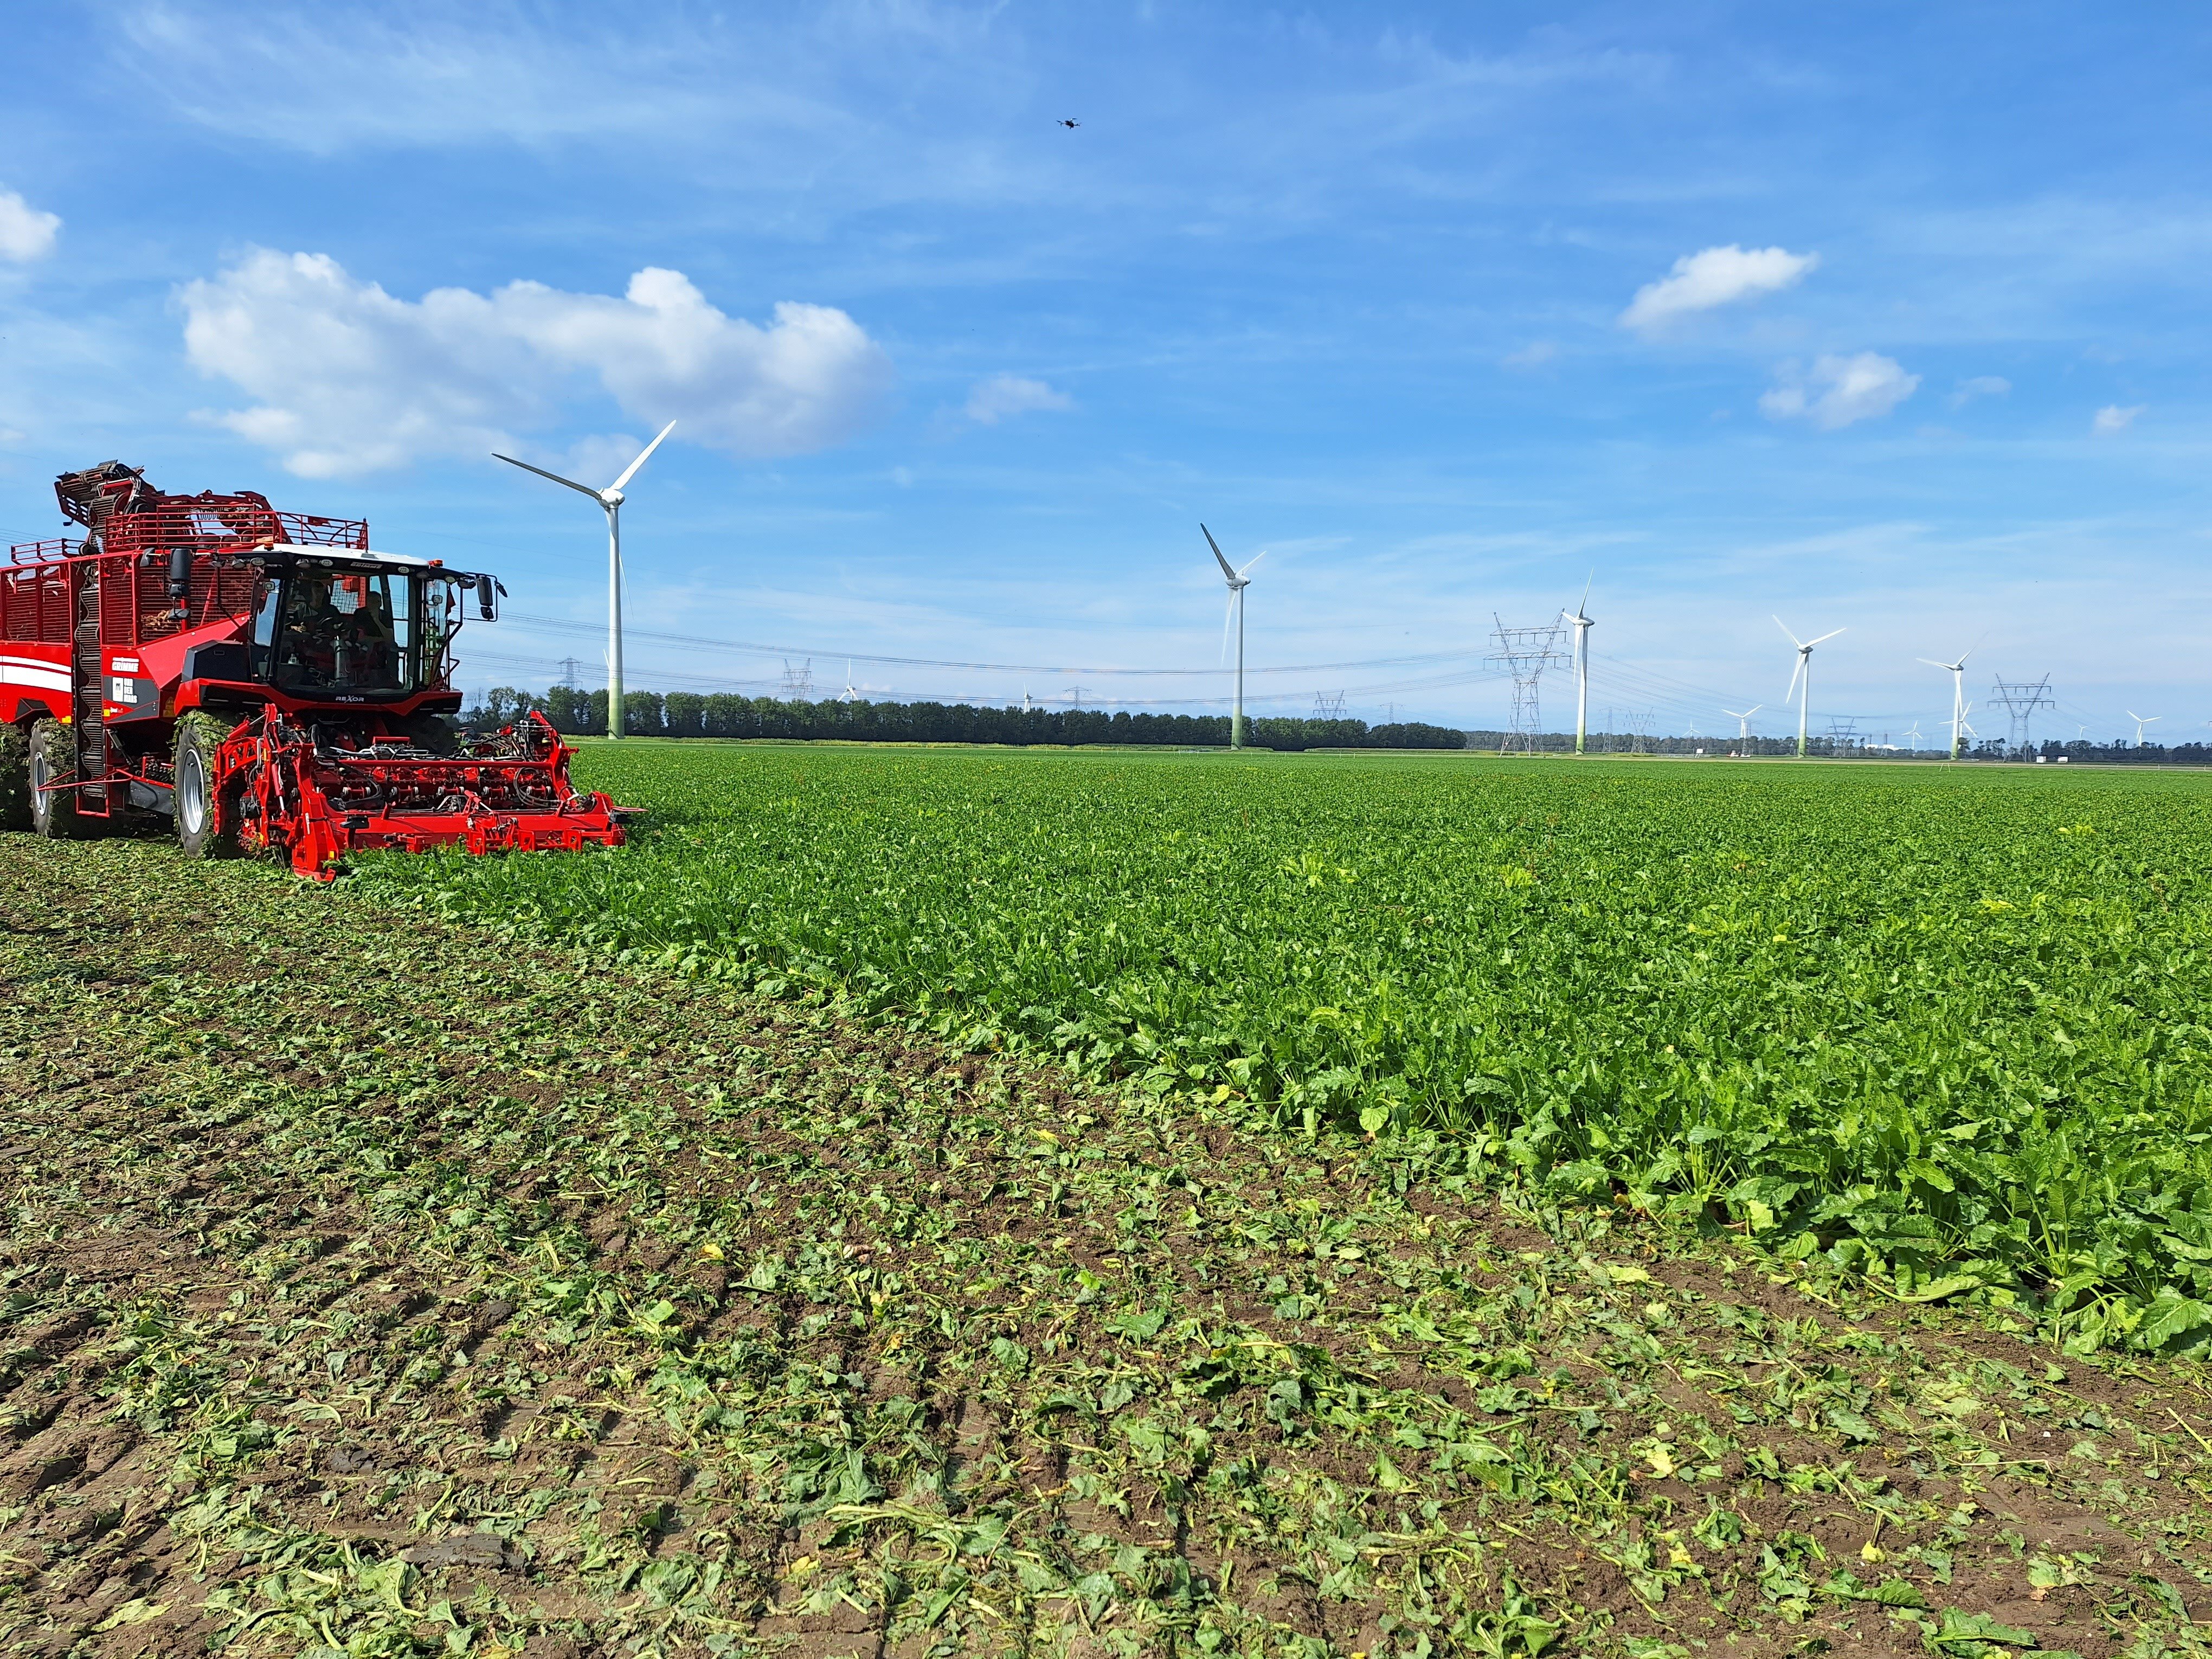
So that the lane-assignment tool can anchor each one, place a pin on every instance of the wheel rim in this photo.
(192, 792)
(42, 802)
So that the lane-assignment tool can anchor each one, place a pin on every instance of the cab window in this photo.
(345, 630)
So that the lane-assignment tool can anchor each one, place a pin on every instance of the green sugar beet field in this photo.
(912, 1203)
(1946, 1029)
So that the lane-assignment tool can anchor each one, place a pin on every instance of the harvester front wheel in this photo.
(14, 778)
(206, 816)
(53, 755)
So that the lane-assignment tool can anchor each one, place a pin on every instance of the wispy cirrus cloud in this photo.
(2113, 418)
(352, 380)
(1717, 276)
(1001, 396)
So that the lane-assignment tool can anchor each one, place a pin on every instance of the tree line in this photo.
(726, 715)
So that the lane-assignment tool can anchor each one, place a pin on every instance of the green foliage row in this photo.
(726, 715)
(1948, 1030)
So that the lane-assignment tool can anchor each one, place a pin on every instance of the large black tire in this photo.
(53, 755)
(206, 824)
(14, 778)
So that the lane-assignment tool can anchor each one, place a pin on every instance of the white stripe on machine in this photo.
(34, 670)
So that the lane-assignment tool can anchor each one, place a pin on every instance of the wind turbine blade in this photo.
(1784, 626)
(584, 489)
(1253, 560)
(1227, 617)
(645, 454)
(1944, 667)
(1227, 573)
(1581, 606)
(1754, 710)
(1794, 673)
(1830, 634)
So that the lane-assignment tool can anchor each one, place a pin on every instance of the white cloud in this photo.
(26, 233)
(2112, 418)
(352, 380)
(1838, 390)
(1717, 276)
(1534, 355)
(1982, 386)
(1003, 395)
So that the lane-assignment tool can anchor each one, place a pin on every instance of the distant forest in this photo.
(724, 714)
(689, 714)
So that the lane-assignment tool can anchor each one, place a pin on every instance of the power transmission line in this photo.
(1525, 653)
(2019, 699)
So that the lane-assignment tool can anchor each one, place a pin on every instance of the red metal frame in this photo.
(509, 792)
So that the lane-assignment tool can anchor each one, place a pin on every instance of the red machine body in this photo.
(265, 680)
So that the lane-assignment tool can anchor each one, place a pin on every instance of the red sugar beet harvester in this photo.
(262, 679)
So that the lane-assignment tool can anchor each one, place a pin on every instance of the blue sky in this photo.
(1885, 318)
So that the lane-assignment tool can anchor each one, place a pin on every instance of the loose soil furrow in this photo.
(367, 1280)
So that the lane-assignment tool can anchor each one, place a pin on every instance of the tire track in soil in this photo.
(338, 1238)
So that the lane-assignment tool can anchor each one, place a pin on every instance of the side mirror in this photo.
(180, 572)
(487, 606)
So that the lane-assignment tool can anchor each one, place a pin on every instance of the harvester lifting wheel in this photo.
(53, 756)
(14, 777)
(206, 813)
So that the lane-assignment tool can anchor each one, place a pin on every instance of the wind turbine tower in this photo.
(1582, 623)
(1802, 672)
(1238, 581)
(1957, 671)
(611, 499)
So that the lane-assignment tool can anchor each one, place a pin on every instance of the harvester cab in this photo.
(265, 680)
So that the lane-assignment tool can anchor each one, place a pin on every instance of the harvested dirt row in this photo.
(376, 1288)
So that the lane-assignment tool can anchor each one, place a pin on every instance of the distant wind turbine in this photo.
(1238, 581)
(1803, 672)
(609, 499)
(1743, 718)
(1957, 671)
(1582, 624)
(2142, 720)
(1914, 736)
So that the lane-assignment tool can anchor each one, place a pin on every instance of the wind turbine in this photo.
(609, 499)
(1238, 581)
(1914, 734)
(1582, 624)
(849, 694)
(1803, 671)
(2142, 720)
(1743, 720)
(1957, 671)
